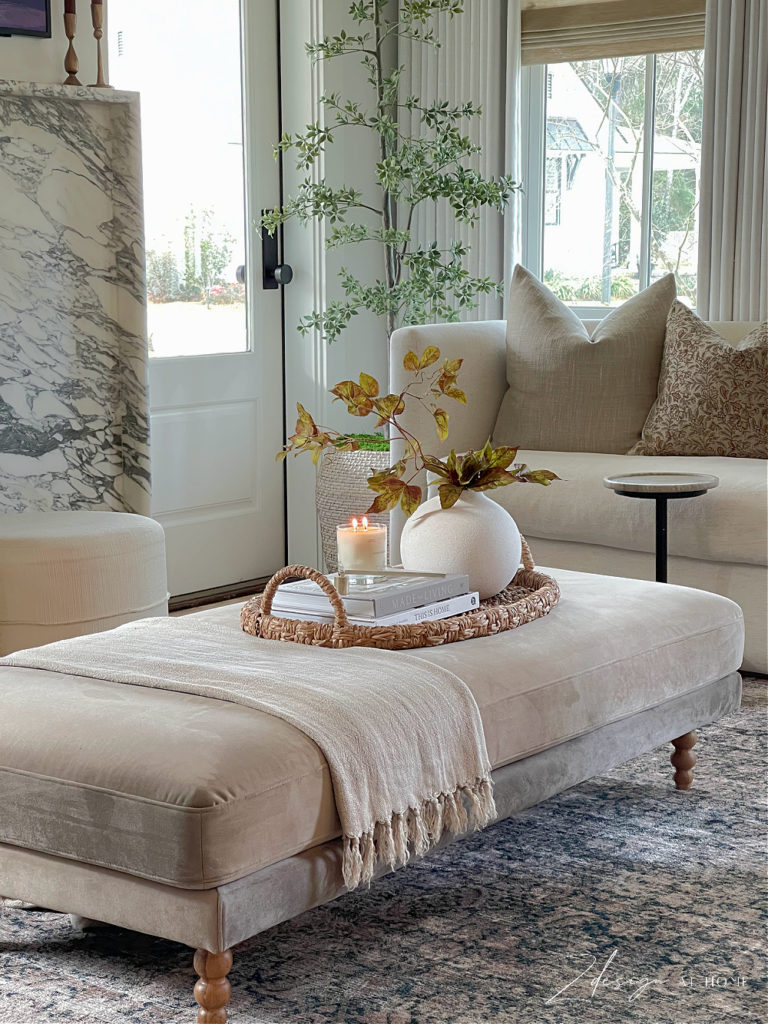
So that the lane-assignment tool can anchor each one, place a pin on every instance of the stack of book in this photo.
(386, 598)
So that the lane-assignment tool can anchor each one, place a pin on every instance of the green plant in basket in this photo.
(432, 383)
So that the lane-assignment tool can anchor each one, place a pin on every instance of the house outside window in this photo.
(552, 190)
(616, 145)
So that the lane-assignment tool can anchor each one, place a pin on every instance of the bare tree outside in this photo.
(596, 238)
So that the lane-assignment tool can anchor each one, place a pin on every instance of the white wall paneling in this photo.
(312, 366)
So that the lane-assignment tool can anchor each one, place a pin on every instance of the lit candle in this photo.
(361, 546)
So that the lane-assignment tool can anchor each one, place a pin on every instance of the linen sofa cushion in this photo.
(713, 397)
(727, 524)
(570, 390)
(196, 792)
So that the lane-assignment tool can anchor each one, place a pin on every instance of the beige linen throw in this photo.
(403, 738)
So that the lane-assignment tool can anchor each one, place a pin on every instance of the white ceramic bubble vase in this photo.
(476, 536)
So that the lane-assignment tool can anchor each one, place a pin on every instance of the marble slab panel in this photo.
(74, 430)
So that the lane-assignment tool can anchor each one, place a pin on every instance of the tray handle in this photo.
(307, 573)
(527, 556)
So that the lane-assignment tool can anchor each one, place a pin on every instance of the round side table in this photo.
(661, 487)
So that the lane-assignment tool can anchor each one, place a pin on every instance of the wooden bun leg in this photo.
(213, 990)
(684, 759)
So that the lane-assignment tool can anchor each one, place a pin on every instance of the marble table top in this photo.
(665, 483)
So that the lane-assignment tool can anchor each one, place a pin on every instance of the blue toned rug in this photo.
(619, 900)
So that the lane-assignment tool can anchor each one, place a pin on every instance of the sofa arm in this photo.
(482, 346)
(483, 377)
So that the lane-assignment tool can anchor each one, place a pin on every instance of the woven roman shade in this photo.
(618, 28)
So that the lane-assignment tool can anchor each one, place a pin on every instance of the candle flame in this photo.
(365, 522)
(354, 524)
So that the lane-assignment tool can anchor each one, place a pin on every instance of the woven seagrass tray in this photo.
(529, 596)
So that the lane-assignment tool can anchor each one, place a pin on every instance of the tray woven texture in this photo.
(529, 596)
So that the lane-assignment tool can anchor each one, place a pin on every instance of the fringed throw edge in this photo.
(416, 830)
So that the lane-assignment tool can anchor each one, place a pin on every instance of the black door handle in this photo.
(283, 273)
(274, 273)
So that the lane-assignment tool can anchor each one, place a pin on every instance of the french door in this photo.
(208, 76)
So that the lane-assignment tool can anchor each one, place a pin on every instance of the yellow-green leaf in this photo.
(502, 457)
(540, 476)
(430, 355)
(388, 406)
(304, 424)
(449, 495)
(452, 366)
(357, 401)
(441, 422)
(369, 385)
(470, 465)
(436, 466)
(493, 478)
(411, 361)
(382, 503)
(410, 499)
(457, 393)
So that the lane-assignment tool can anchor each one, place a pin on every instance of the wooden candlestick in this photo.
(71, 63)
(97, 18)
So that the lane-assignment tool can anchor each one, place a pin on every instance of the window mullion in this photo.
(647, 188)
(533, 135)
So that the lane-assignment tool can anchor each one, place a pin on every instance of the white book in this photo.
(427, 612)
(372, 595)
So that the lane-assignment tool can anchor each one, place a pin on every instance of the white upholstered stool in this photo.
(64, 574)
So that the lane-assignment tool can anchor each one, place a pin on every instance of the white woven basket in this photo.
(341, 492)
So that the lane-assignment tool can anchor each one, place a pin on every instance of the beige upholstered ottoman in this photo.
(64, 574)
(206, 822)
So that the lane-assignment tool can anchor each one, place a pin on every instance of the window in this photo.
(193, 168)
(616, 144)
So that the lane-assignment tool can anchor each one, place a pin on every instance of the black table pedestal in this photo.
(661, 498)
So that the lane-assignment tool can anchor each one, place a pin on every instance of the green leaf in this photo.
(449, 494)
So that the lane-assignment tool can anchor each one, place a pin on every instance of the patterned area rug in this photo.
(619, 900)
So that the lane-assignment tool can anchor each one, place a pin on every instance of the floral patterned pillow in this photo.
(713, 398)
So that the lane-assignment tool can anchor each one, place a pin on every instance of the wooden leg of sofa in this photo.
(684, 759)
(212, 991)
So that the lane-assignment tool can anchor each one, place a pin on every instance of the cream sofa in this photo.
(717, 542)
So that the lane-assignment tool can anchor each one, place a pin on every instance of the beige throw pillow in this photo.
(570, 392)
(713, 397)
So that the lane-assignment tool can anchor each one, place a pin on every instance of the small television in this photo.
(25, 18)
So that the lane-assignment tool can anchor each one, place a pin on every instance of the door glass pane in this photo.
(183, 56)
(594, 157)
(677, 168)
